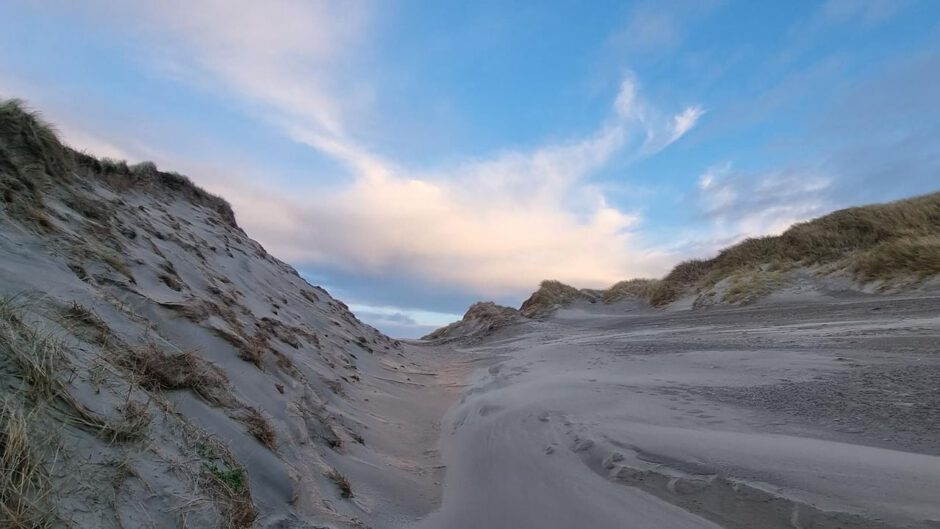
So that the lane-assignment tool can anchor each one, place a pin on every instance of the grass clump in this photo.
(38, 357)
(25, 489)
(226, 482)
(157, 370)
(917, 256)
(29, 146)
(341, 482)
(631, 288)
(86, 323)
(233, 478)
(40, 360)
(259, 427)
(117, 263)
(747, 287)
(32, 157)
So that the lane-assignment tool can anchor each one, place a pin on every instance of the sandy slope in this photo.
(821, 413)
(275, 384)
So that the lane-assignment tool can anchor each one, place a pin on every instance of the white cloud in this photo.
(625, 104)
(92, 143)
(867, 11)
(685, 121)
(738, 205)
(495, 224)
(660, 131)
(405, 316)
(647, 30)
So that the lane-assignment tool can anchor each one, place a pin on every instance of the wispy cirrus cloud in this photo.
(868, 12)
(738, 204)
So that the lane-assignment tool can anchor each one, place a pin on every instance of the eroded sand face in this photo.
(818, 413)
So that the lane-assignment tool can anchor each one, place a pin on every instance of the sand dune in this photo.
(161, 369)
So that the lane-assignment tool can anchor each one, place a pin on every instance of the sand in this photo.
(764, 416)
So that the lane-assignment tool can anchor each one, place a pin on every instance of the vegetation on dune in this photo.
(482, 316)
(897, 242)
(156, 370)
(226, 481)
(884, 242)
(631, 288)
(32, 157)
(341, 482)
(25, 489)
(918, 256)
(550, 295)
(259, 427)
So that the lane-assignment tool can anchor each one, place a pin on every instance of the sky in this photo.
(414, 157)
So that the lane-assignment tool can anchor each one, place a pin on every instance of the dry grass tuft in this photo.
(30, 158)
(194, 311)
(117, 263)
(135, 418)
(38, 357)
(259, 427)
(341, 482)
(747, 287)
(86, 324)
(224, 479)
(917, 256)
(631, 288)
(157, 370)
(25, 489)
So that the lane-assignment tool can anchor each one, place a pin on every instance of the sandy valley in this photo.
(161, 369)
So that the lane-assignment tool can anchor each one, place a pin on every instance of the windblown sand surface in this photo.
(815, 413)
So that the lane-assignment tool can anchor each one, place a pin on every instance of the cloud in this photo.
(492, 224)
(92, 143)
(659, 130)
(868, 12)
(405, 316)
(495, 223)
(685, 121)
(401, 322)
(625, 104)
(657, 28)
(738, 204)
(282, 57)
(649, 30)
(856, 15)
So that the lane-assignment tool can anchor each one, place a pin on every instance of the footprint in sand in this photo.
(487, 409)
(582, 445)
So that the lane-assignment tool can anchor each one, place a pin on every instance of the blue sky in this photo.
(414, 157)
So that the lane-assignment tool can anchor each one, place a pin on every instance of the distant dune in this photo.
(888, 248)
(884, 247)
